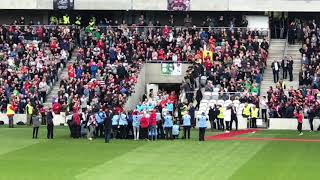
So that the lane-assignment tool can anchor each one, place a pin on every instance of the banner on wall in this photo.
(178, 5)
(63, 4)
(173, 69)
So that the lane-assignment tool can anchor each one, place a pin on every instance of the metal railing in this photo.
(264, 31)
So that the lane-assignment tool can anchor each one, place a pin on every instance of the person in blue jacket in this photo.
(136, 125)
(202, 124)
(100, 116)
(170, 107)
(186, 126)
(123, 125)
(115, 123)
(168, 123)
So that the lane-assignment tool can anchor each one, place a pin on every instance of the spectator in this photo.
(35, 124)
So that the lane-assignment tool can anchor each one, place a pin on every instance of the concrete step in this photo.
(63, 73)
(278, 41)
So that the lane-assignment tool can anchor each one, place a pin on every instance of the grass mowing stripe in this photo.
(282, 161)
(61, 158)
(177, 160)
(13, 139)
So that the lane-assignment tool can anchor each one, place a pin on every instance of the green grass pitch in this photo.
(23, 158)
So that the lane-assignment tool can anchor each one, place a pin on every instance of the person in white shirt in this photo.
(227, 118)
(43, 87)
(275, 69)
(263, 105)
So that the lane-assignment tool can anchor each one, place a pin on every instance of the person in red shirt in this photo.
(165, 31)
(56, 107)
(161, 54)
(299, 117)
(153, 126)
(144, 123)
(75, 132)
(71, 72)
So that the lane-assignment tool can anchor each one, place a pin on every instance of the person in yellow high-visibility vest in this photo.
(221, 117)
(254, 116)
(10, 113)
(29, 112)
(246, 113)
(66, 19)
(54, 20)
(78, 21)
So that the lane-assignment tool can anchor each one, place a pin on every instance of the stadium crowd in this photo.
(30, 59)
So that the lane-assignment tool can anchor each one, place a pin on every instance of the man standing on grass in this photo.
(202, 124)
(49, 119)
(10, 113)
(186, 126)
(29, 111)
(100, 116)
(168, 124)
(107, 125)
(299, 117)
(246, 114)
(254, 116)
(221, 118)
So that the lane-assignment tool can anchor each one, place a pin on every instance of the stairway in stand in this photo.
(293, 50)
(276, 52)
(62, 73)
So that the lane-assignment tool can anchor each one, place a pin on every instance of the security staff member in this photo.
(54, 20)
(254, 116)
(246, 114)
(168, 124)
(29, 111)
(221, 118)
(186, 126)
(78, 21)
(66, 19)
(202, 124)
(10, 113)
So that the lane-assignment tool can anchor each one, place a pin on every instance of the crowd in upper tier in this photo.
(30, 58)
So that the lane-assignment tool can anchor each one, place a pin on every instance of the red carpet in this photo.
(230, 134)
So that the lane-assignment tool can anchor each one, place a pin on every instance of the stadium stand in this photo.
(31, 57)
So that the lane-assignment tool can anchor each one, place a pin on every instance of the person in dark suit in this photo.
(290, 68)
(284, 66)
(213, 114)
(234, 117)
(198, 98)
(192, 114)
(49, 119)
(107, 125)
(275, 69)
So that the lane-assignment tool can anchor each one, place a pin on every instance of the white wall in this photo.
(149, 5)
(209, 5)
(57, 119)
(102, 4)
(274, 5)
(153, 74)
(291, 124)
(26, 4)
(196, 5)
